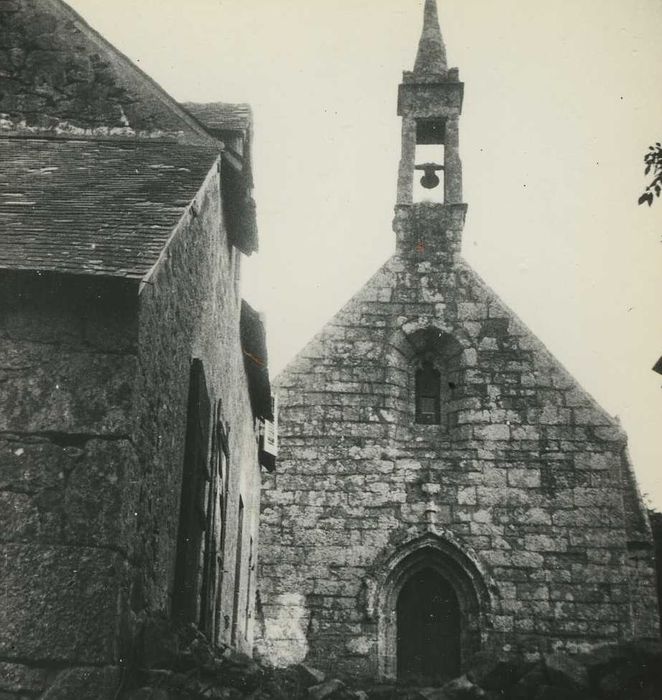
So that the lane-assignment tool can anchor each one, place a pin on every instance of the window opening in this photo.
(428, 395)
(237, 572)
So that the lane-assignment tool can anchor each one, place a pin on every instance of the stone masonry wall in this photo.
(68, 352)
(191, 309)
(93, 388)
(59, 76)
(527, 481)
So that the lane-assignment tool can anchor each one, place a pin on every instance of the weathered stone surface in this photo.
(565, 672)
(59, 77)
(74, 392)
(85, 684)
(100, 497)
(59, 603)
(192, 309)
(494, 672)
(21, 678)
(77, 493)
(159, 643)
(18, 517)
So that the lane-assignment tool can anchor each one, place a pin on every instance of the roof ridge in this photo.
(159, 92)
(68, 138)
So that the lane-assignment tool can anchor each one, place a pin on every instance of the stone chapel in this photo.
(444, 486)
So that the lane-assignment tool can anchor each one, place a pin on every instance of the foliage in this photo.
(653, 162)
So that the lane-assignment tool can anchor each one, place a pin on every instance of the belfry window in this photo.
(428, 395)
(429, 160)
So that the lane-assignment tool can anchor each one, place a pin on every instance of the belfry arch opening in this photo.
(429, 161)
(433, 608)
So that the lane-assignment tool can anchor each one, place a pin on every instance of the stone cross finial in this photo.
(431, 56)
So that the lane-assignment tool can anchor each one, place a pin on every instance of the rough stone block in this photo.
(19, 519)
(80, 495)
(59, 603)
(545, 543)
(492, 432)
(524, 478)
(69, 393)
(18, 678)
(31, 464)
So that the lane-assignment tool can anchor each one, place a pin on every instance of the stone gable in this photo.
(528, 474)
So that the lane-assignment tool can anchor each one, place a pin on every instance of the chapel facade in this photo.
(444, 485)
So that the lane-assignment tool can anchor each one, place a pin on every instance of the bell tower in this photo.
(430, 173)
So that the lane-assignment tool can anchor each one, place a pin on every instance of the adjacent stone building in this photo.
(133, 379)
(444, 486)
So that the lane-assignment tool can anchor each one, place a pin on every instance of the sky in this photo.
(562, 100)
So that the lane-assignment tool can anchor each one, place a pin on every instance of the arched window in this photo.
(428, 394)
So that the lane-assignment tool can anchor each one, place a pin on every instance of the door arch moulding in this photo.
(441, 552)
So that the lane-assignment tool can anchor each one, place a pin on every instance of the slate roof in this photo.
(90, 207)
(221, 116)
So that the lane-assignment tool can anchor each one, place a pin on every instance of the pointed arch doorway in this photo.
(428, 621)
(432, 609)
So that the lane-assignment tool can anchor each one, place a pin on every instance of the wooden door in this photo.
(428, 629)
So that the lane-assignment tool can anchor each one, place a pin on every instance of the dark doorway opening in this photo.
(237, 570)
(428, 629)
(186, 603)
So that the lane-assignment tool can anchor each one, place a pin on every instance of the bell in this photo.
(430, 179)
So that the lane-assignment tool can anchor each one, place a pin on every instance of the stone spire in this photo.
(431, 56)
